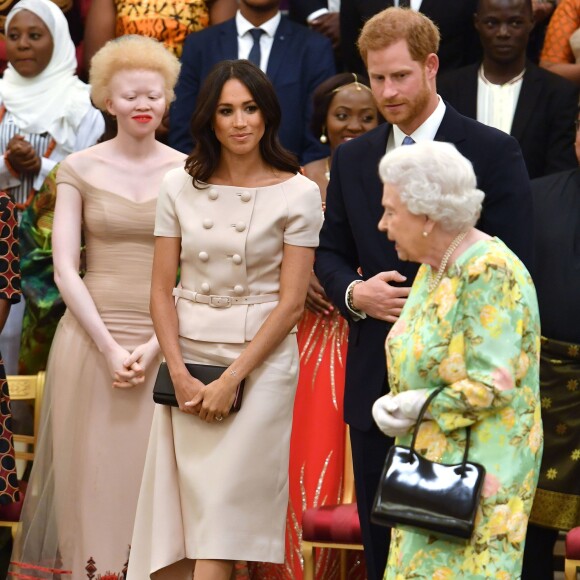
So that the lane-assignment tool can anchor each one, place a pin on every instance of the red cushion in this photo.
(10, 512)
(573, 544)
(335, 523)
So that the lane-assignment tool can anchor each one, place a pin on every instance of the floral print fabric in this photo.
(478, 333)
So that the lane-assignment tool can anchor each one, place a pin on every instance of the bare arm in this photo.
(100, 27)
(164, 315)
(296, 266)
(66, 239)
(222, 10)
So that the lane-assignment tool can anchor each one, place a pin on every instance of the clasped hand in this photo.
(128, 368)
(396, 414)
(211, 402)
(22, 156)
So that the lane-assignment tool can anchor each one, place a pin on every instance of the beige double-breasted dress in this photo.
(220, 490)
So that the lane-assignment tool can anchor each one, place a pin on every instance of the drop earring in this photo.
(323, 137)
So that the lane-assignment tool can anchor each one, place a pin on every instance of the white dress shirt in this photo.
(246, 42)
(496, 104)
(425, 132)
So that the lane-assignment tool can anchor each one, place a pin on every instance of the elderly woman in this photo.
(470, 324)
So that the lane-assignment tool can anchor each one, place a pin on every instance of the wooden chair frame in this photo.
(26, 388)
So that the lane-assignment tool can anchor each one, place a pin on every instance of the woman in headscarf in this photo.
(45, 114)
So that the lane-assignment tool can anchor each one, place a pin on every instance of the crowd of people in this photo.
(339, 208)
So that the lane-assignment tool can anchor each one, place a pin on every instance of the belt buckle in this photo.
(220, 301)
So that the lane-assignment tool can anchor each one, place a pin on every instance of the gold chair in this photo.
(340, 529)
(23, 388)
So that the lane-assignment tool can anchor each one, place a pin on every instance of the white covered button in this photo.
(240, 226)
(237, 259)
(213, 194)
(203, 256)
(239, 289)
(207, 223)
(246, 196)
(205, 288)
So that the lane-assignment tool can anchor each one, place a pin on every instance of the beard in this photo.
(412, 107)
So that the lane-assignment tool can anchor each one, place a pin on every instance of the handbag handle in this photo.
(420, 419)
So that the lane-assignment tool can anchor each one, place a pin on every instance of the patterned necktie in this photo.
(408, 140)
(255, 55)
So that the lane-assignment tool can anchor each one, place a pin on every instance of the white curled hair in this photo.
(435, 180)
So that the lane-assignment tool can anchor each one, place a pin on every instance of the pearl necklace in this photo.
(433, 282)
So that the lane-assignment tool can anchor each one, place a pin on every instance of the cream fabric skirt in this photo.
(218, 490)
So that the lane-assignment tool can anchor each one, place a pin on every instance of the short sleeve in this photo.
(305, 213)
(166, 220)
(66, 175)
(9, 251)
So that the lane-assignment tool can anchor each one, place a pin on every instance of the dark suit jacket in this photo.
(543, 121)
(300, 10)
(299, 61)
(350, 238)
(459, 41)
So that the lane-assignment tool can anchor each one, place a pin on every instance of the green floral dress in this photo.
(479, 333)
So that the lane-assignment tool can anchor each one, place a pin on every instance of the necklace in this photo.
(432, 283)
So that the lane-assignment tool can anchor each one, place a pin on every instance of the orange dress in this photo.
(169, 21)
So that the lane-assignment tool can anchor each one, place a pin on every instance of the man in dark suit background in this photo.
(509, 92)
(295, 59)
(320, 15)
(399, 47)
(454, 18)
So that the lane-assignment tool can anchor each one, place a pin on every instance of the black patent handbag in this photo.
(414, 491)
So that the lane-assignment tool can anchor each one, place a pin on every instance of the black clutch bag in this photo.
(432, 496)
(164, 392)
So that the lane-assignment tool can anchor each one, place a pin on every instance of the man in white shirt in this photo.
(510, 93)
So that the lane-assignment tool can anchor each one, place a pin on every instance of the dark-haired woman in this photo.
(242, 225)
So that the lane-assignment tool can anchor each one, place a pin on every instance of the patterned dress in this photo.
(478, 333)
(10, 291)
(169, 22)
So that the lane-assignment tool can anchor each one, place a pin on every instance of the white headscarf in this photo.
(55, 101)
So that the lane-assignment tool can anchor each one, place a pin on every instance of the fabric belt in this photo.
(216, 301)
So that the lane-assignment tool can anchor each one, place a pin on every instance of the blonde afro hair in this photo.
(131, 53)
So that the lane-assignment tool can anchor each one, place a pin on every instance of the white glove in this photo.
(409, 403)
(389, 418)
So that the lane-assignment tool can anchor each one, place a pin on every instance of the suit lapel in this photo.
(530, 94)
(451, 129)
(377, 147)
(228, 45)
(281, 44)
(468, 94)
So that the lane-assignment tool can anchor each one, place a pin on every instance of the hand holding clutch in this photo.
(389, 418)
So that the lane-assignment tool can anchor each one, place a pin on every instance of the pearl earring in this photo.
(323, 137)
(425, 234)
